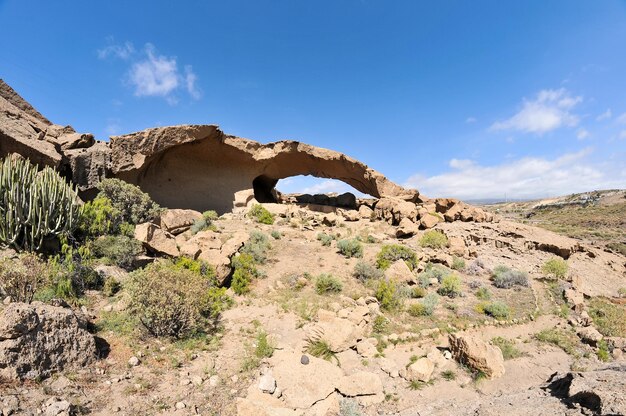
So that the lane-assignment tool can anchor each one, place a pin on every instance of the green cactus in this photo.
(34, 205)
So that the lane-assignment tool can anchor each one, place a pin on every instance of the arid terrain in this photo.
(302, 305)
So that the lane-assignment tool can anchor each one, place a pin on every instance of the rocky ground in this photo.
(558, 350)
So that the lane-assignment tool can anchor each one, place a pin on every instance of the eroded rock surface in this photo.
(37, 340)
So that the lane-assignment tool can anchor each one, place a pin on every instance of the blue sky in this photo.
(455, 98)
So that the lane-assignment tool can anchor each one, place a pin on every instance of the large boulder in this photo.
(177, 221)
(38, 340)
(156, 240)
(477, 354)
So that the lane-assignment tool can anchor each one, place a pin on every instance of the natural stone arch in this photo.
(200, 167)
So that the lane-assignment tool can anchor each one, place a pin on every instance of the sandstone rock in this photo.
(156, 240)
(177, 221)
(430, 220)
(420, 370)
(457, 247)
(589, 335)
(477, 354)
(55, 406)
(340, 334)
(574, 299)
(204, 167)
(600, 391)
(304, 385)
(362, 383)
(244, 198)
(390, 367)
(393, 210)
(406, 228)
(350, 215)
(365, 212)
(366, 349)
(267, 383)
(399, 272)
(37, 340)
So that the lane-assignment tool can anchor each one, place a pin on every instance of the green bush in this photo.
(390, 253)
(99, 218)
(350, 248)
(483, 293)
(496, 309)
(35, 206)
(388, 296)
(325, 283)
(450, 286)
(508, 348)
(261, 215)
(608, 318)
(70, 273)
(430, 302)
(111, 286)
(134, 206)
(416, 309)
(434, 239)
(257, 246)
(22, 277)
(119, 249)
(555, 267)
(432, 271)
(171, 301)
(245, 271)
(458, 263)
(205, 223)
(197, 266)
(505, 278)
(365, 271)
(325, 239)
(276, 235)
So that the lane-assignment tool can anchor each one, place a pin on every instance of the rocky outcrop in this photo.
(37, 340)
(477, 354)
(200, 167)
(25, 131)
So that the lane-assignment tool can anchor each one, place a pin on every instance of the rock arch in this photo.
(200, 167)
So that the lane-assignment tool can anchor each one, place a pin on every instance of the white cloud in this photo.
(190, 82)
(123, 51)
(582, 134)
(312, 185)
(152, 74)
(529, 177)
(470, 120)
(550, 110)
(605, 116)
(156, 75)
(621, 119)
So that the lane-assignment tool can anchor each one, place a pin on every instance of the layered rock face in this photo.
(199, 167)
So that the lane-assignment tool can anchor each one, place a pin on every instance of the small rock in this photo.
(304, 360)
(134, 361)
(421, 370)
(214, 381)
(267, 383)
(180, 405)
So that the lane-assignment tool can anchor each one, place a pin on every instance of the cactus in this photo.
(34, 205)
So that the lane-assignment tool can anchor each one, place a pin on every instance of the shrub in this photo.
(134, 205)
(320, 348)
(35, 206)
(350, 248)
(257, 246)
(556, 268)
(197, 266)
(432, 271)
(483, 293)
(205, 223)
(498, 310)
(349, 407)
(325, 239)
(111, 286)
(430, 303)
(475, 268)
(261, 215)
(21, 278)
(388, 296)
(603, 353)
(380, 324)
(365, 271)
(119, 249)
(434, 239)
(418, 292)
(245, 270)
(276, 235)
(264, 348)
(608, 318)
(566, 340)
(505, 278)
(326, 283)
(458, 263)
(71, 274)
(416, 309)
(172, 302)
(99, 218)
(390, 253)
(508, 348)
(450, 286)
(448, 375)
